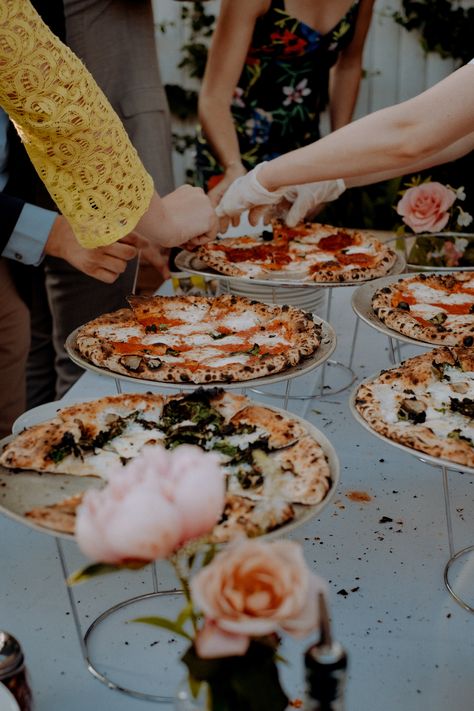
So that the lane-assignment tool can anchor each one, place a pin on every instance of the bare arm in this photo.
(391, 139)
(346, 74)
(453, 152)
(229, 46)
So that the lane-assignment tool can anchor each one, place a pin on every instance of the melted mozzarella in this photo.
(425, 293)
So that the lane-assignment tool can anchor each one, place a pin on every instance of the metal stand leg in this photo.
(85, 639)
(453, 556)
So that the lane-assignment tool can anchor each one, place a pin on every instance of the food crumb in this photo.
(296, 704)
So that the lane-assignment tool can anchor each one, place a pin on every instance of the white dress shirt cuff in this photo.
(28, 239)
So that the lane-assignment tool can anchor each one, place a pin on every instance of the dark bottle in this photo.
(13, 672)
(325, 668)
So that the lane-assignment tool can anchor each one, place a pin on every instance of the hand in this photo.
(307, 198)
(103, 263)
(182, 215)
(246, 193)
(231, 173)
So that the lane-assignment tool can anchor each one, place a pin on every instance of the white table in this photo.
(410, 645)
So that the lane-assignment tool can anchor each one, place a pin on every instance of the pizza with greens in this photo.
(272, 461)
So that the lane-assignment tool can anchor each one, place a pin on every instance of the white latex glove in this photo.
(247, 192)
(306, 198)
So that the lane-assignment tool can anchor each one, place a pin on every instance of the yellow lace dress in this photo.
(74, 138)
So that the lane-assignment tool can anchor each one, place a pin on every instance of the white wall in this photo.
(396, 66)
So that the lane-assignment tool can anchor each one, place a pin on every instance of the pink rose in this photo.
(254, 588)
(152, 506)
(424, 208)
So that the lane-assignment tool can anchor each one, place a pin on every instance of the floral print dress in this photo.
(282, 90)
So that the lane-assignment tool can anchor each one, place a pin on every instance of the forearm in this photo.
(219, 130)
(390, 139)
(74, 139)
(344, 88)
(453, 152)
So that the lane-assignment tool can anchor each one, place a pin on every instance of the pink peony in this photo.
(425, 207)
(152, 506)
(254, 588)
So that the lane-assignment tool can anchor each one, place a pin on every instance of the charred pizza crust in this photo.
(425, 403)
(270, 459)
(435, 308)
(309, 252)
(193, 339)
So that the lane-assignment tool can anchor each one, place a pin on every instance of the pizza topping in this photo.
(464, 406)
(412, 409)
(296, 251)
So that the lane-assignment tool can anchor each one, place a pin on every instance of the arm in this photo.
(78, 144)
(346, 74)
(229, 46)
(446, 155)
(391, 139)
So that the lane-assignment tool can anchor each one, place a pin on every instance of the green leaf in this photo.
(165, 624)
(96, 569)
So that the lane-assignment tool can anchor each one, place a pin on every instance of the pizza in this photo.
(271, 460)
(309, 252)
(425, 403)
(198, 339)
(437, 308)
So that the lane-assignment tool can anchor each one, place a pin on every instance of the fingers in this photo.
(196, 242)
(118, 250)
(256, 214)
(224, 223)
(135, 239)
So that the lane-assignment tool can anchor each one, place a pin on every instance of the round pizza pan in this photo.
(189, 262)
(325, 350)
(21, 491)
(428, 458)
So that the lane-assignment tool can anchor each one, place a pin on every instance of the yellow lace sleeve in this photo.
(74, 138)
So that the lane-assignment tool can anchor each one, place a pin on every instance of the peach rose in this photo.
(152, 506)
(424, 208)
(254, 588)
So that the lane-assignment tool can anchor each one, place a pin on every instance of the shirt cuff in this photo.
(29, 236)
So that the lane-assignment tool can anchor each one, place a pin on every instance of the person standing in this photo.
(273, 68)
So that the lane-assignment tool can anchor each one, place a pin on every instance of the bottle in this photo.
(325, 669)
(13, 672)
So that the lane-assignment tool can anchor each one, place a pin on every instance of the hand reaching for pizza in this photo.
(103, 263)
(184, 214)
(297, 201)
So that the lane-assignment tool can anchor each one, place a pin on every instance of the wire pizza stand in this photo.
(271, 289)
(445, 466)
(14, 504)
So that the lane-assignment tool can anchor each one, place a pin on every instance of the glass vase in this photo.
(185, 701)
(439, 251)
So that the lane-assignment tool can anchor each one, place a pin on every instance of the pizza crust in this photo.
(223, 339)
(299, 253)
(284, 463)
(423, 388)
(428, 318)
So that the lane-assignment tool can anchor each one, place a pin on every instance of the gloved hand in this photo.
(247, 192)
(307, 197)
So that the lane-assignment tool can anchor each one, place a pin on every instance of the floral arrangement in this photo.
(163, 504)
(428, 209)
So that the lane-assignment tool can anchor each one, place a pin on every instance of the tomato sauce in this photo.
(339, 240)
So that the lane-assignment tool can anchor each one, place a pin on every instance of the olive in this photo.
(403, 306)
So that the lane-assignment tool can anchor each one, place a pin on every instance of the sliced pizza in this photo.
(307, 252)
(271, 459)
(198, 339)
(435, 308)
(425, 403)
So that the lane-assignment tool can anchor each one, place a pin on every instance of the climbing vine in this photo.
(445, 27)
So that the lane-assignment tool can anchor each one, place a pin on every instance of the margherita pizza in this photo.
(437, 308)
(198, 339)
(271, 460)
(307, 252)
(426, 403)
